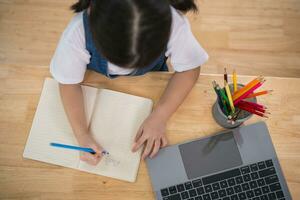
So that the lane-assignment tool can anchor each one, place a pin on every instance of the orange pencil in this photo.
(249, 91)
(247, 87)
(259, 93)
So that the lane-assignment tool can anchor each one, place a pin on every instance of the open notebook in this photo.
(114, 120)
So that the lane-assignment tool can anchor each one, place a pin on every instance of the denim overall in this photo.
(100, 65)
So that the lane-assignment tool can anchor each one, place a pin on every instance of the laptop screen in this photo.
(210, 155)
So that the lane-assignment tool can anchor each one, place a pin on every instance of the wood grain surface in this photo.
(27, 179)
(257, 36)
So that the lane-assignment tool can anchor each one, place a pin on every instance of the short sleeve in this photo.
(68, 64)
(184, 50)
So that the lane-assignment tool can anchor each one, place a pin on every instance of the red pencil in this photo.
(251, 111)
(253, 104)
(251, 90)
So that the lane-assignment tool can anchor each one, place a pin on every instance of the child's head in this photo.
(131, 33)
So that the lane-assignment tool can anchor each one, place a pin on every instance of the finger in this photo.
(148, 148)
(97, 155)
(90, 159)
(155, 148)
(138, 134)
(94, 160)
(164, 142)
(139, 143)
(84, 157)
(98, 150)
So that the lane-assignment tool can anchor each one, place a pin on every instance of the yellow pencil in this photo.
(229, 97)
(234, 81)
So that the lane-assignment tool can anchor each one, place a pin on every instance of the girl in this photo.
(127, 37)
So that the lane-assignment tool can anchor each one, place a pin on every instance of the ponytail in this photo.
(184, 5)
(80, 5)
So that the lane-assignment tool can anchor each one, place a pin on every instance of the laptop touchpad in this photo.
(209, 155)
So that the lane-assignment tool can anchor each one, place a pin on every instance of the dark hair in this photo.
(184, 5)
(131, 33)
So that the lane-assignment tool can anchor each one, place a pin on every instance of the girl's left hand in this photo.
(152, 133)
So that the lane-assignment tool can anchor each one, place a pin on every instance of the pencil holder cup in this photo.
(223, 120)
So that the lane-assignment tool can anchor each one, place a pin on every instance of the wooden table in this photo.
(28, 179)
(259, 36)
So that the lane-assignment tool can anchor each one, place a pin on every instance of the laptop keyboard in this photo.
(257, 181)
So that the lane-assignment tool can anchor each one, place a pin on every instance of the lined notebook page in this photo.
(115, 121)
(50, 124)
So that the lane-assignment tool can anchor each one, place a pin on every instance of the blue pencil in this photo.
(84, 149)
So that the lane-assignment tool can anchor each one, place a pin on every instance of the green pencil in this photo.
(221, 98)
(224, 98)
(218, 93)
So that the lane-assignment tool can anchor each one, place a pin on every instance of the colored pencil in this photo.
(229, 97)
(231, 100)
(244, 95)
(259, 93)
(221, 101)
(225, 76)
(234, 79)
(235, 117)
(223, 94)
(253, 106)
(251, 111)
(247, 87)
(245, 103)
(84, 149)
(225, 99)
(217, 92)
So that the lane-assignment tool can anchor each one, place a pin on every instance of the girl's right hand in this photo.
(88, 141)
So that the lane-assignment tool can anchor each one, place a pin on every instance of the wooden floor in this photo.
(255, 37)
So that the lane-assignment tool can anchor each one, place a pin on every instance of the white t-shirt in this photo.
(71, 57)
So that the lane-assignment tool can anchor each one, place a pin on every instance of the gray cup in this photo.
(223, 120)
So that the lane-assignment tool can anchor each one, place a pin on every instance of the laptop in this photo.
(234, 164)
